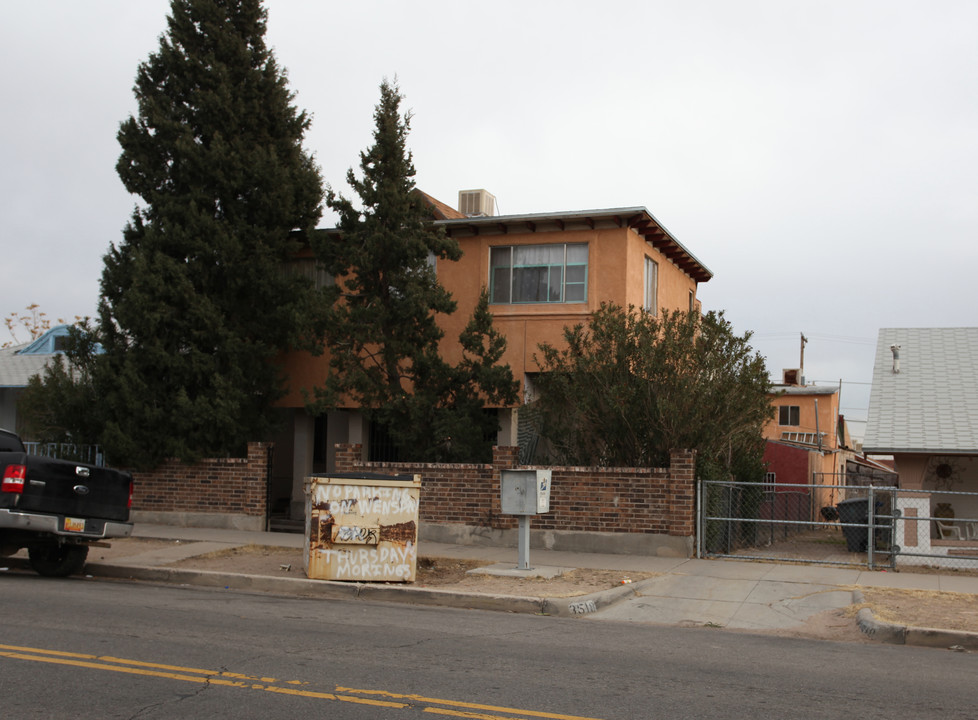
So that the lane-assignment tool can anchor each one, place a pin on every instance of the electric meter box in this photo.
(525, 492)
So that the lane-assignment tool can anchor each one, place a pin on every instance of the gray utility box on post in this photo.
(524, 493)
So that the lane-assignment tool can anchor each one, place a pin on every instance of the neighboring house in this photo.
(923, 411)
(18, 364)
(543, 271)
(807, 439)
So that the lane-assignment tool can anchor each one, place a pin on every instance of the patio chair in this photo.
(947, 531)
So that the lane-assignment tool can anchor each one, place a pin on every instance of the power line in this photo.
(853, 339)
(844, 382)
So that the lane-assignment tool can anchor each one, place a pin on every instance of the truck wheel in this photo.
(57, 560)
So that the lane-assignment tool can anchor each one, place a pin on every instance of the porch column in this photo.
(509, 423)
(304, 435)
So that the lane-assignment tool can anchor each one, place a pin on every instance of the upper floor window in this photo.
(310, 269)
(789, 415)
(650, 303)
(538, 273)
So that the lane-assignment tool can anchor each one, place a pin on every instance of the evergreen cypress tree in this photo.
(195, 301)
(381, 329)
(453, 424)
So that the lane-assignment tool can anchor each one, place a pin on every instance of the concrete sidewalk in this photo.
(722, 593)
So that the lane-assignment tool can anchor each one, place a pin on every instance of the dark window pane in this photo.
(554, 294)
(499, 292)
(530, 284)
(576, 273)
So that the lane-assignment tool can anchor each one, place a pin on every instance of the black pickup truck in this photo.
(56, 508)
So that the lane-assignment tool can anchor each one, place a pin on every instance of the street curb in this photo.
(573, 606)
(331, 589)
(893, 634)
(579, 605)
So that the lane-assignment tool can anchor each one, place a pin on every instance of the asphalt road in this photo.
(97, 649)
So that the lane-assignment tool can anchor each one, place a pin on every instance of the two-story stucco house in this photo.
(543, 271)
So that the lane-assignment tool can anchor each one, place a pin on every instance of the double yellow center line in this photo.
(378, 698)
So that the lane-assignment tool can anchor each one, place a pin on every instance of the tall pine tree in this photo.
(195, 302)
(382, 331)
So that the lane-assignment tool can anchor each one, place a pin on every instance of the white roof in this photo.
(16, 370)
(931, 404)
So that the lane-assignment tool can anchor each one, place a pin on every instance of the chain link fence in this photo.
(874, 527)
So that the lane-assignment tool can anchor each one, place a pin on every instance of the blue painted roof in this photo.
(47, 344)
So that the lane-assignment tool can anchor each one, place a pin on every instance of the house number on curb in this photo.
(582, 608)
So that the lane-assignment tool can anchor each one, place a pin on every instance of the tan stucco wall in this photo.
(911, 469)
(616, 267)
(828, 415)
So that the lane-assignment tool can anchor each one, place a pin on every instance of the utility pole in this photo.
(801, 364)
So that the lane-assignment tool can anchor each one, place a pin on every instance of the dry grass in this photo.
(920, 608)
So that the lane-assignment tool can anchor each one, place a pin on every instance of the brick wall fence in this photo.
(224, 492)
(639, 510)
(623, 510)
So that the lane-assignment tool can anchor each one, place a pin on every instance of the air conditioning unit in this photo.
(793, 377)
(476, 203)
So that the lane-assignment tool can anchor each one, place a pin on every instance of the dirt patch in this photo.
(248, 560)
(435, 572)
(431, 572)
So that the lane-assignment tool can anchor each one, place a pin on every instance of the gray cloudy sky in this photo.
(821, 158)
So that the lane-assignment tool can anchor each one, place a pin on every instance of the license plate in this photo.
(74, 524)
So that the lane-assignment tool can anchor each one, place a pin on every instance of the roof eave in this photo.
(916, 451)
(637, 218)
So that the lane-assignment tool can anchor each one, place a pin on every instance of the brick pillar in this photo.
(505, 457)
(682, 493)
(259, 470)
(349, 457)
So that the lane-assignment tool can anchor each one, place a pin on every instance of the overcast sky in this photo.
(821, 158)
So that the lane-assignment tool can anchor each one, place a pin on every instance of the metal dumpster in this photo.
(362, 527)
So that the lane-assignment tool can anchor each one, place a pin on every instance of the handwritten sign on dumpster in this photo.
(363, 529)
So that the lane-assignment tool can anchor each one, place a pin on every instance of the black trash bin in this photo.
(852, 512)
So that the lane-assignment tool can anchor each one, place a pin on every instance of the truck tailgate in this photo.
(75, 489)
